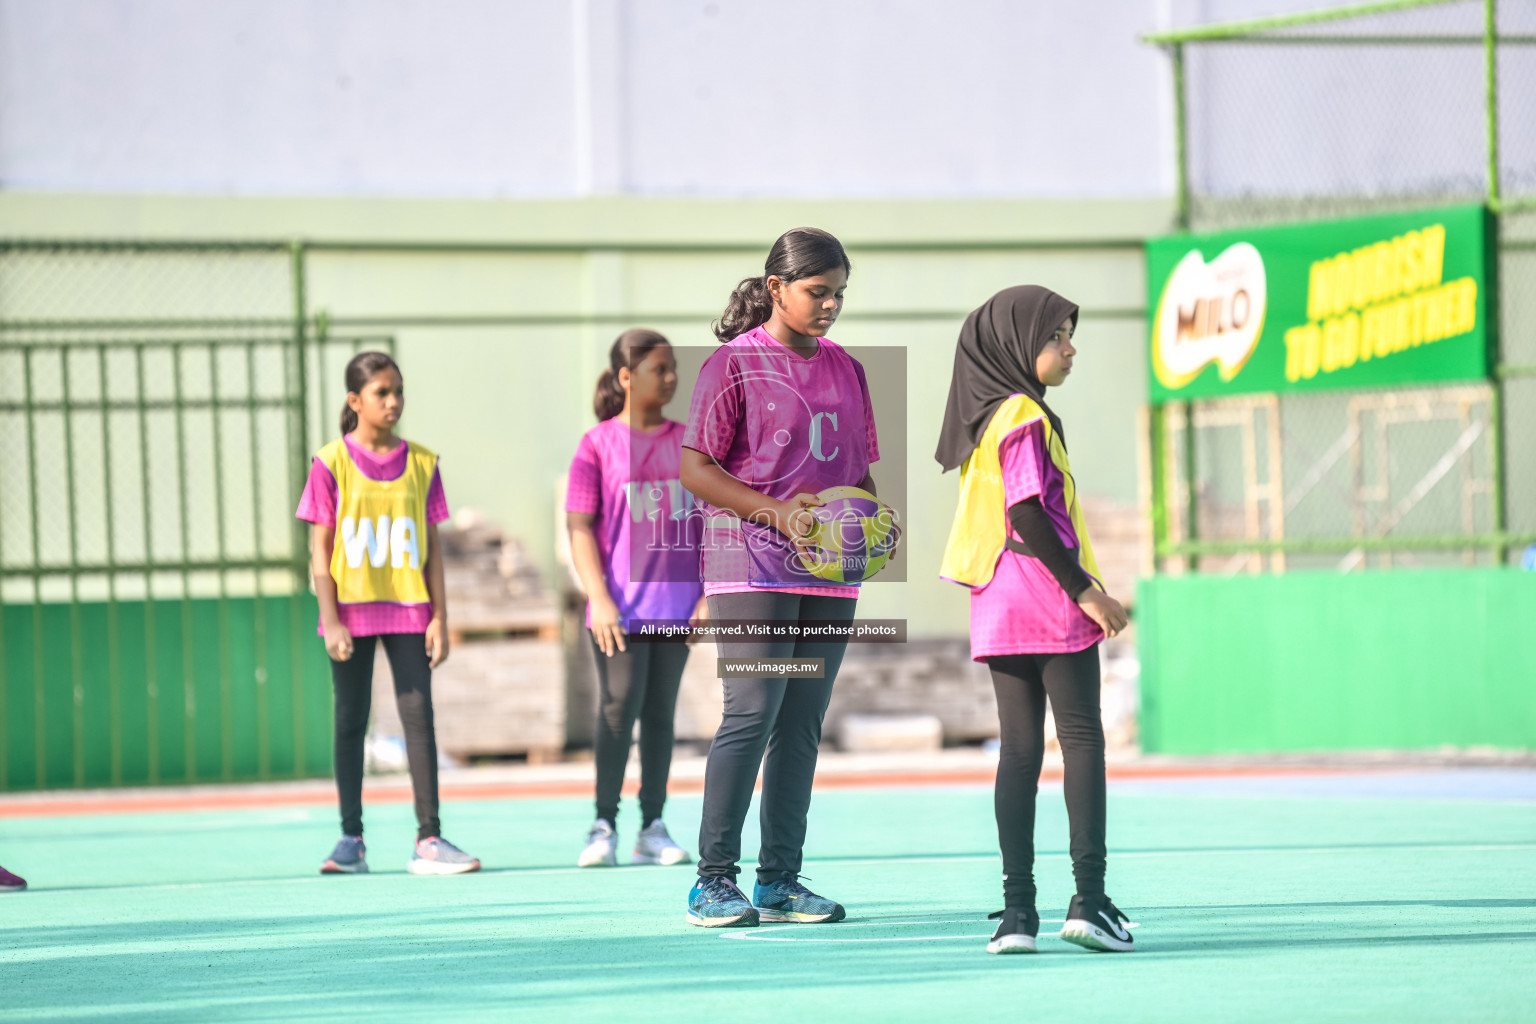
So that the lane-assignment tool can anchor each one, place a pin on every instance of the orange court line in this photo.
(226, 800)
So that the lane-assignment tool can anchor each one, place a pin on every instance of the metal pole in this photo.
(184, 528)
(1491, 63)
(76, 640)
(1158, 458)
(151, 666)
(1180, 135)
(259, 605)
(298, 454)
(1191, 485)
(114, 661)
(226, 708)
(39, 693)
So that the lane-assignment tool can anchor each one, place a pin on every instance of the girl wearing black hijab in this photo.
(1038, 606)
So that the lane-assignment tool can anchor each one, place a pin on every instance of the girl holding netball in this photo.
(635, 548)
(1038, 605)
(779, 413)
(375, 501)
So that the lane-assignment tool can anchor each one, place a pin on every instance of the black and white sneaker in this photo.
(1015, 932)
(1093, 922)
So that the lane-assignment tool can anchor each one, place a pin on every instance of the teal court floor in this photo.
(1382, 896)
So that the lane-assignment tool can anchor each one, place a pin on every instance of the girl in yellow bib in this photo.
(375, 501)
(1038, 606)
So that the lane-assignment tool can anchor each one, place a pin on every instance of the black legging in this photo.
(1022, 683)
(353, 683)
(640, 683)
(780, 716)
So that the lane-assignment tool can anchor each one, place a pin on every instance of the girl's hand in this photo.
(1103, 609)
(338, 642)
(795, 520)
(437, 642)
(699, 617)
(607, 630)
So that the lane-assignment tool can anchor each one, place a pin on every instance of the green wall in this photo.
(1321, 661)
(137, 693)
(505, 405)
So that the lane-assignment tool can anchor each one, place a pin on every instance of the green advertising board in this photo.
(1367, 302)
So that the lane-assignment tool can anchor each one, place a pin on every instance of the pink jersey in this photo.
(629, 480)
(1023, 610)
(318, 505)
(782, 424)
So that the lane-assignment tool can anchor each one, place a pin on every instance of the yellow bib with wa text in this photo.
(381, 528)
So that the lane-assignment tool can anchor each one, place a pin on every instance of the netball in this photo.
(854, 538)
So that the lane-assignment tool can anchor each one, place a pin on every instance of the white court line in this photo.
(770, 934)
(35, 893)
(1238, 852)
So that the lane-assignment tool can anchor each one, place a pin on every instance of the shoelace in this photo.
(790, 886)
(718, 889)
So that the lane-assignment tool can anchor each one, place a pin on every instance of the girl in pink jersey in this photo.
(636, 550)
(779, 413)
(1038, 606)
(375, 501)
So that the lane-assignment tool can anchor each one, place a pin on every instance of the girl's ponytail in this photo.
(359, 372)
(628, 351)
(798, 253)
(749, 306)
(608, 400)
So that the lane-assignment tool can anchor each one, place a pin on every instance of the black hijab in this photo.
(995, 359)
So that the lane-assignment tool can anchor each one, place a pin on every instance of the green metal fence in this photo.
(156, 623)
(1239, 653)
(1368, 478)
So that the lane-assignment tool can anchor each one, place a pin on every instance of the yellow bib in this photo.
(381, 528)
(980, 529)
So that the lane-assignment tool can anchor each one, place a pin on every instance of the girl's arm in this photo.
(338, 641)
(437, 629)
(705, 479)
(607, 630)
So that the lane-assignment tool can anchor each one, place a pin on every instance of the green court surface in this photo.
(1384, 897)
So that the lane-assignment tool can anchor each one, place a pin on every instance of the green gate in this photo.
(156, 421)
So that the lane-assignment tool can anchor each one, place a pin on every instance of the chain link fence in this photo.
(1401, 106)
(154, 603)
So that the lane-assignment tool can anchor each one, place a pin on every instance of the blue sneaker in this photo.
(717, 903)
(347, 858)
(785, 899)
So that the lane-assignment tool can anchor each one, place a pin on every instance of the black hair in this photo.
(359, 372)
(629, 350)
(801, 252)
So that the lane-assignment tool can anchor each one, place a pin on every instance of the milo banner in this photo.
(1372, 301)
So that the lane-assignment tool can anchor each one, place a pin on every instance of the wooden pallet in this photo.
(473, 631)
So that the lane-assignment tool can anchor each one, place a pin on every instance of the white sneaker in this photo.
(602, 847)
(655, 846)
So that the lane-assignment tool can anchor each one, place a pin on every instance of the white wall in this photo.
(727, 98)
(477, 98)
